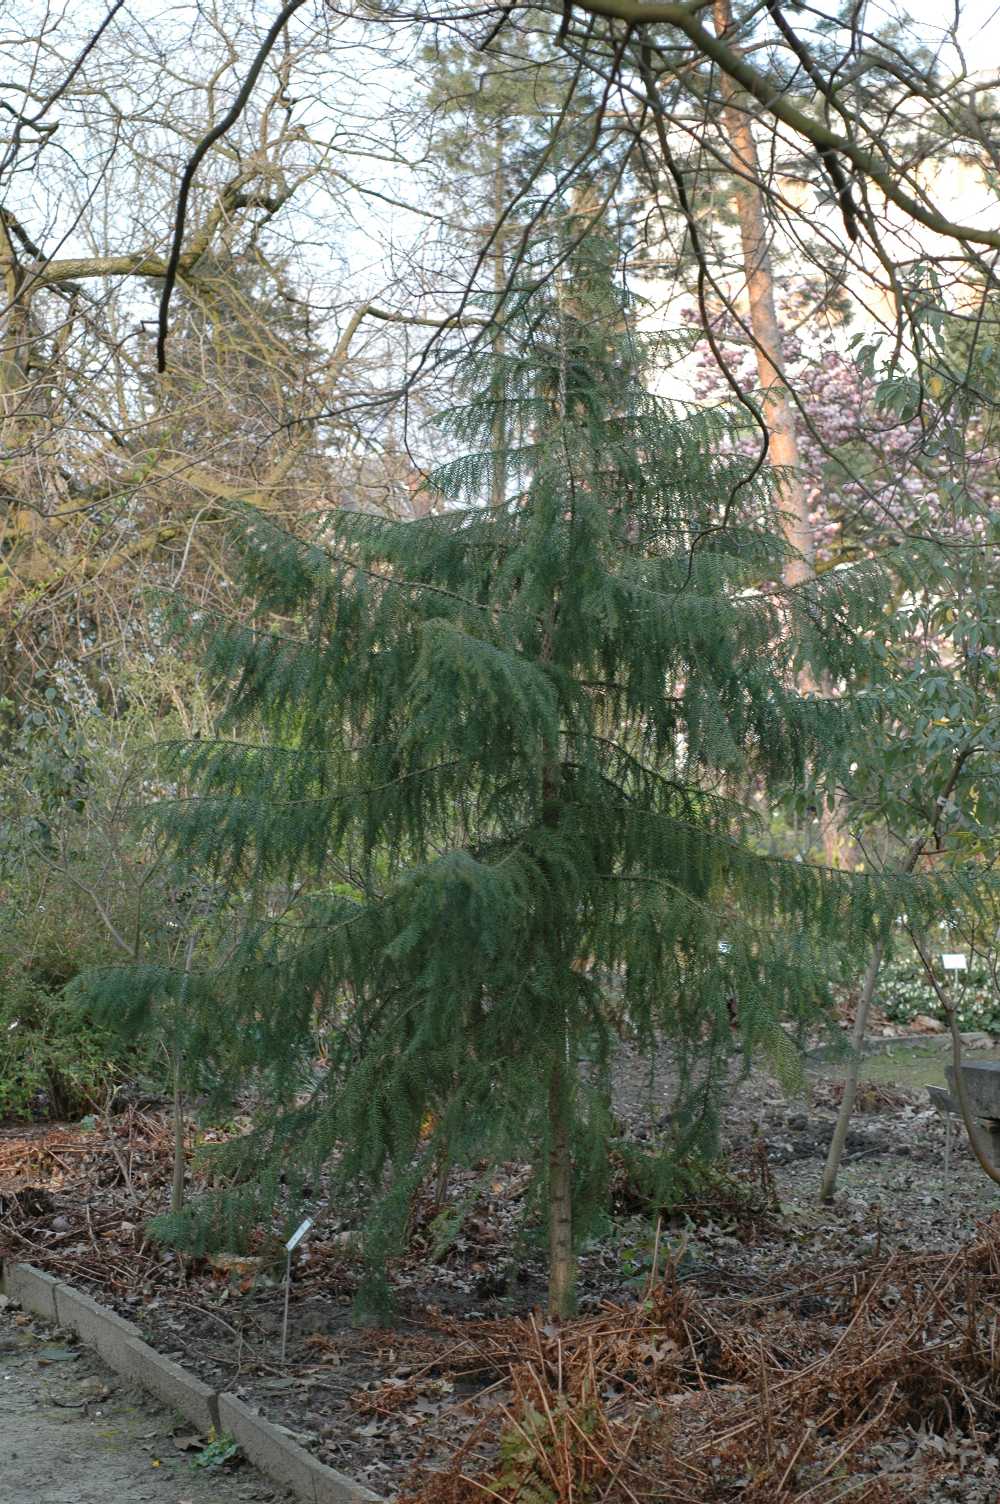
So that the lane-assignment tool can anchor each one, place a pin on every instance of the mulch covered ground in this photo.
(756, 1349)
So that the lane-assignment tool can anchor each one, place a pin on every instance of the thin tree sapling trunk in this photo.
(177, 1184)
(964, 1105)
(176, 1060)
(562, 1258)
(832, 1166)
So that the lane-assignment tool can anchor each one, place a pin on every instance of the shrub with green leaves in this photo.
(54, 1060)
(54, 1057)
(79, 884)
(904, 992)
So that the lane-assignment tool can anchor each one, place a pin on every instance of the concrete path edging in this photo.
(285, 1461)
(120, 1345)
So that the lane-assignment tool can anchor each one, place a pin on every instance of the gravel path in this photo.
(72, 1432)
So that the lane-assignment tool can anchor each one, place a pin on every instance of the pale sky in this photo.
(347, 85)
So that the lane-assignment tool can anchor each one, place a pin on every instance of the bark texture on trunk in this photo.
(177, 1185)
(177, 1060)
(783, 448)
(562, 1261)
(778, 413)
(832, 1166)
(14, 333)
(499, 485)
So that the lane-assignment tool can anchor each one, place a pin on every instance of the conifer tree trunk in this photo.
(562, 1258)
(176, 1059)
(783, 447)
(499, 486)
(562, 1254)
(562, 1261)
(177, 1182)
(783, 444)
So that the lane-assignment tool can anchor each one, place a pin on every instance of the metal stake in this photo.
(288, 1291)
(293, 1243)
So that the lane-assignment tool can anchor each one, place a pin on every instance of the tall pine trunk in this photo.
(779, 416)
(783, 446)
(498, 488)
(562, 1258)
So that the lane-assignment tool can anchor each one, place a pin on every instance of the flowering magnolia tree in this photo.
(902, 463)
(887, 455)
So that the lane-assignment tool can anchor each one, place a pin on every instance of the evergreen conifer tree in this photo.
(479, 762)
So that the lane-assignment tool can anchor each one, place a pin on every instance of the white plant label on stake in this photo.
(954, 961)
(724, 947)
(293, 1242)
(299, 1234)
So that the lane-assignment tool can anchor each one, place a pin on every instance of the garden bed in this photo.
(763, 1307)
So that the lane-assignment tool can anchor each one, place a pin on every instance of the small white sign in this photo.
(724, 947)
(954, 961)
(299, 1234)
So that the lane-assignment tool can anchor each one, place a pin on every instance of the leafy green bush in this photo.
(69, 873)
(904, 992)
(54, 1059)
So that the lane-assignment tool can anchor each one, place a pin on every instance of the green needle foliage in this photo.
(476, 767)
